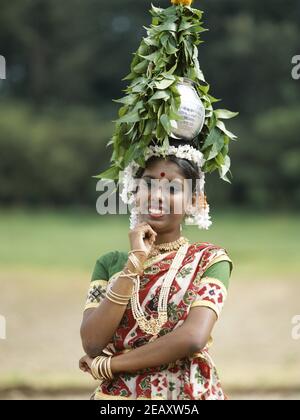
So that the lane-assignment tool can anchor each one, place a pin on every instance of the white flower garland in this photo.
(201, 217)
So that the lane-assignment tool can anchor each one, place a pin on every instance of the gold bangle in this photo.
(130, 275)
(119, 300)
(135, 262)
(94, 368)
(101, 362)
(116, 301)
(137, 250)
(117, 295)
(105, 368)
(139, 265)
(132, 255)
(101, 369)
(109, 367)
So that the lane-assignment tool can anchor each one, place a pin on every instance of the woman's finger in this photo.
(82, 366)
(151, 232)
(148, 228)
(145, 227)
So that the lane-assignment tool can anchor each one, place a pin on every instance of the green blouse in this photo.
(113, 262)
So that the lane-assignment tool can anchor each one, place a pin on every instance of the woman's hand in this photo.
(85, 364)
(142, 237)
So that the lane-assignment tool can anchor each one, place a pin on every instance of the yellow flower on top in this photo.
(183, 2)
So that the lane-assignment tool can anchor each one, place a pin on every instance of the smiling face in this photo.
(163, 195)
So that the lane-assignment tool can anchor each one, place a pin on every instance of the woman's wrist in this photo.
(129, 268)
(136, 260)
(123, 285)
(115, 364)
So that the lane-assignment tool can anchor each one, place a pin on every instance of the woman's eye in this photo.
(175, 189)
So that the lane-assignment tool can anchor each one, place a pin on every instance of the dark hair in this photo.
(189, 169)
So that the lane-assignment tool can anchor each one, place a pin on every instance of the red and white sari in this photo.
(193, 378)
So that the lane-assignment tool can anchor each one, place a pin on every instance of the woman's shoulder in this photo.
(207, 246)
(215, 262)
(108, 264)
(211, 252)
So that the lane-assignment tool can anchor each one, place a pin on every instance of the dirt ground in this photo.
(254, 351)
(275, 396)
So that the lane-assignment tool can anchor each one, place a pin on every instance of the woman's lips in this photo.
(156, 216)
(156, 213)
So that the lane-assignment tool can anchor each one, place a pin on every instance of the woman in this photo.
(155, 344)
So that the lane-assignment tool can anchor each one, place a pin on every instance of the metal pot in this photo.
(191, 109)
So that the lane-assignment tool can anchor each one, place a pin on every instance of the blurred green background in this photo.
(65, 61)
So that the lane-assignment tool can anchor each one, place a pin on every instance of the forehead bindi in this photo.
(167, 170)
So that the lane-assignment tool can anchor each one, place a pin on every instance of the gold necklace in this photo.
(167, 247)
(153, 324)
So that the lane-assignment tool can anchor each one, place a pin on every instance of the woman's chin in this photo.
(154, 220)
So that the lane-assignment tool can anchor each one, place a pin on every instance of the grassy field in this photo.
(264, 243)
(46, 262)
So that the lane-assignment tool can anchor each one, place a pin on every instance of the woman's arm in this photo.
(186, 340)
(99, 324)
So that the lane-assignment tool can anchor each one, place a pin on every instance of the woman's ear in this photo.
(191, 203)
(199, 200)
(194, 199)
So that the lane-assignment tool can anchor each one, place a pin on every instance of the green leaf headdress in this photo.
(165, 75)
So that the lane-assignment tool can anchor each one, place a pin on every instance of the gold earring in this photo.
(202, 202)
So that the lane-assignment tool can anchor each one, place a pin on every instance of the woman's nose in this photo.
(156, 191)
(155, 199)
